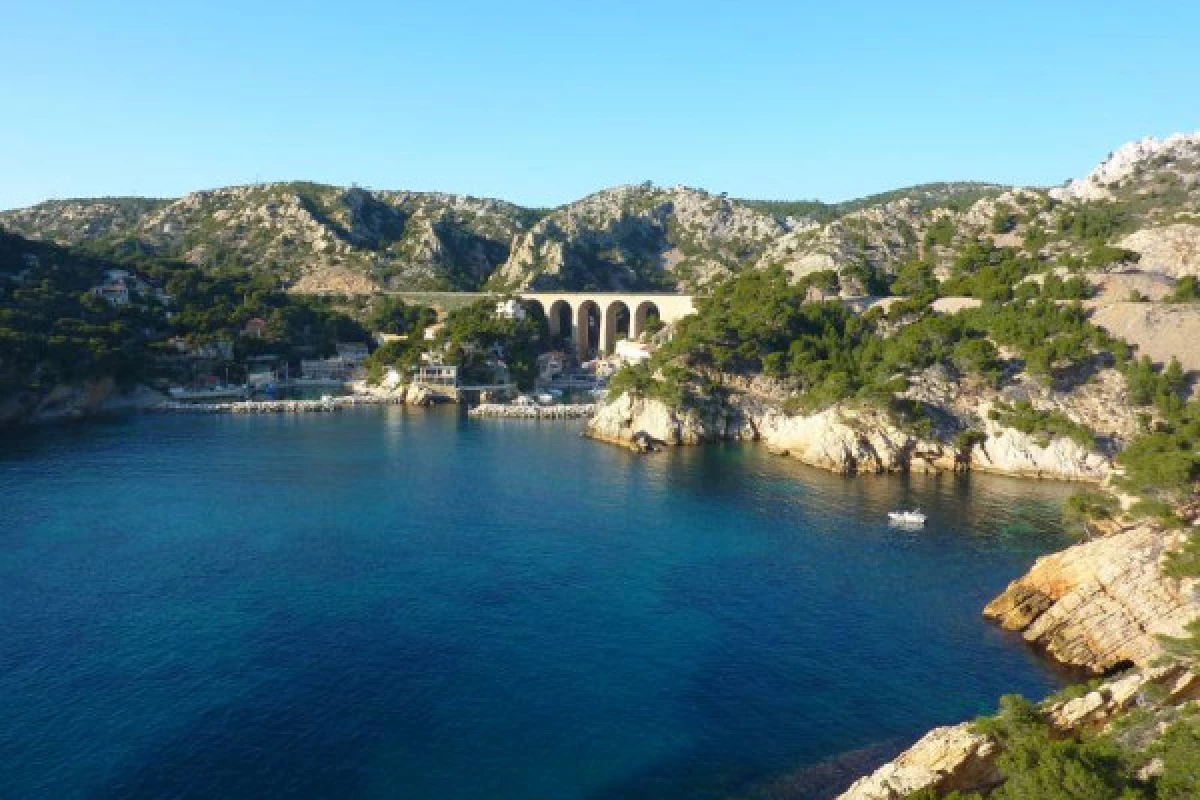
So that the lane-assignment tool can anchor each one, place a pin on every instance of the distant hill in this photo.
(320, 238)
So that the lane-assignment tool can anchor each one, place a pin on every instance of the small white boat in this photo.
(912, 518)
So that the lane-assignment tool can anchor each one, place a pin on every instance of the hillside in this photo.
(314, 236)
(1143, 201)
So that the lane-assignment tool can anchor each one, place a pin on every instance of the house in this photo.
(815, 294)
(116, 294)
(220, 350)
(436, 375)
(260, 376)
(352, 352)
(510, 309)
(255, 328)
(119, 286)
(325, 369)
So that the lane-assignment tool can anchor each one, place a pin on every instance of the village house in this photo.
(119, 287)
(255, 328)
(436, 375)
(510, 309)
(354, 353)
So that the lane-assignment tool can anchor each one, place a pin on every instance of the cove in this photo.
(389, 603)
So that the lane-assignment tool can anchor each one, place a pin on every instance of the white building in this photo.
(630, 352)
(510, 309)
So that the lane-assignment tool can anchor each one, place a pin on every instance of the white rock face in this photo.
(1011, 452)
(620, 420)
(844, 440)
(1100, 604)
(1172, 250)
(1124, 161)
(945, 759)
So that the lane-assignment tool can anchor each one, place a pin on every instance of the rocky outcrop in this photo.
(1127, 162)
(1172, 250)
(843, 439)
(636, 237)
(958, 758)
(1167, 685)
(1101, 604)
(623, 419)
(1011, 452)
(77, 401)
(946, 759)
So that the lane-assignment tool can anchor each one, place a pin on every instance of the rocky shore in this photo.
(849, 440)
(1102, 606)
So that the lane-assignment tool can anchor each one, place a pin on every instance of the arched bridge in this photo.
(595, 321)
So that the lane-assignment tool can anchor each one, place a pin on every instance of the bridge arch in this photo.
(560, 318)
(588, 321)
(593, 321)
(616, 322)
(642, 314)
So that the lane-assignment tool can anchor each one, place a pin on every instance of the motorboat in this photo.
(914, 518)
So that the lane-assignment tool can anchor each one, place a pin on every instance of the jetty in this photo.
(530, 411)
(280, 406)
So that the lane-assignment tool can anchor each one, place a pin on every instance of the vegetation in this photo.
(1187, 290)
(1040, 764)
(472, 334)
(1042, 425)
(53, 330)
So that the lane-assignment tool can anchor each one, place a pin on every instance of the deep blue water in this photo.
(392, 604)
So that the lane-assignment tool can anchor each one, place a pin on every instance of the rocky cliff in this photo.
(961, 758)
(847, 439)
(1101, 604)
(76, 401)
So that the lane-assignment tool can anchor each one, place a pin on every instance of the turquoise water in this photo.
(393, 604)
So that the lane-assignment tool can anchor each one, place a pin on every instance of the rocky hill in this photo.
(317, 237)
(1143, 200)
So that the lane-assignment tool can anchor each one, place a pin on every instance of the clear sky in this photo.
(541, 102)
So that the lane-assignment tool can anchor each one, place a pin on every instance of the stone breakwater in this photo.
(279, 406)
(506, 411)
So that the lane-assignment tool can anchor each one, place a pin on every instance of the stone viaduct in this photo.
(595, 321)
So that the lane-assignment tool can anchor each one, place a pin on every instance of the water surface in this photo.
(385, 603)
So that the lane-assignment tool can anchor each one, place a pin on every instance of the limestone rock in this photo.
(1011, 452)
(1170, 250)
(627, 417)
(1100, 604)
(945, 760)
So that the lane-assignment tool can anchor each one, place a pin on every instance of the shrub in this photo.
(1044, 426)
(1187, 290)
(1004, 220)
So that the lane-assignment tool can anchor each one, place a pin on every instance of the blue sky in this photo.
(542, 102)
